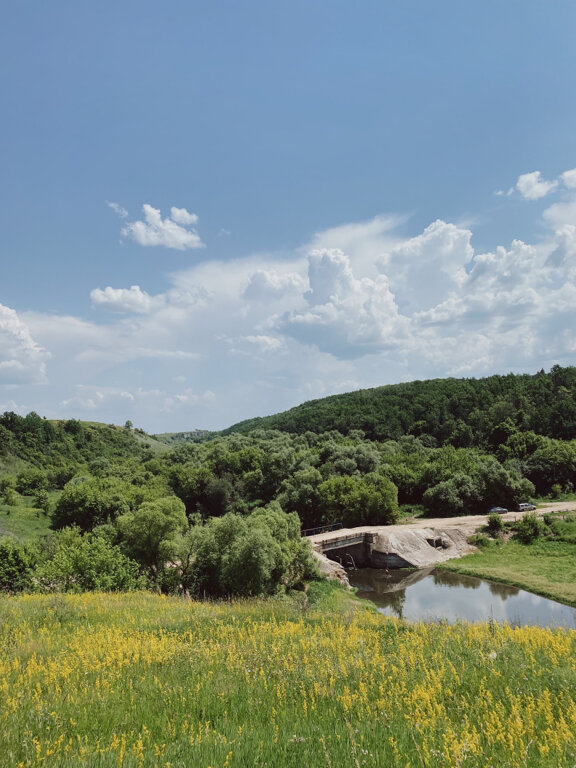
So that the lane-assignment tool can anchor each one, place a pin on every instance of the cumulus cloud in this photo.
(564, 254)
(532, 186)
(423, 270)
(345, 316)
(22, 360)
(176, 231)
(364, 242)
(271, 284)
(562, 213)
(365, 306)
(500, 284)
(569, 178)
(132, 299)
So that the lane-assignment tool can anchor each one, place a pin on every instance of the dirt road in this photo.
(472, 522)
(423, 542)
(465, 523)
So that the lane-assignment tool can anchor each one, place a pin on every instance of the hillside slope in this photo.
(463, 412)
(32, 440)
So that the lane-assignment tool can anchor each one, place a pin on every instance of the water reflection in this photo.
(430, 595)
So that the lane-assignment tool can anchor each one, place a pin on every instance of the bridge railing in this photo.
(321, 529)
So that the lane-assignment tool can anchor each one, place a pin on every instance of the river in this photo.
(436, 595)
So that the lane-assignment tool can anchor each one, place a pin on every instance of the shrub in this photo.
(15, 567)
(479, 540)
(556, 491)
(495, 524)
(529, 528)
(84, 563)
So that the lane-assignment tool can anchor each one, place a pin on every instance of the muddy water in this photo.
(431, 595)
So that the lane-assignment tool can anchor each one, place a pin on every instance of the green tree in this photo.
(359, 500)
(298, 564)
(301, 494)
(79, 562)
(149, 533)
(252, 565)
(5, 441)
(91, 502)
(247, 556)
(41, 500)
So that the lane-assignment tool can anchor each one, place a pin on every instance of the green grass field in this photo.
(139, 680)
(23, 523)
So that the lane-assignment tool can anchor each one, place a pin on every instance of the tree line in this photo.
(461, 412)
(224, 516)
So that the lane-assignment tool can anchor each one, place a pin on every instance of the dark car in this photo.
(498, 510)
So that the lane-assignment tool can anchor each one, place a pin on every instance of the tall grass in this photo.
(23, 522)
(141, 680)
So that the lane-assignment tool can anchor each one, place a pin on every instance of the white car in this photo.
(525, 507)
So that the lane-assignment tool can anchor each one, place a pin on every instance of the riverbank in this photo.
(547, 568)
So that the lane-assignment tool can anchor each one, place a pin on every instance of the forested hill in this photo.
(45, 444)
(462, 412)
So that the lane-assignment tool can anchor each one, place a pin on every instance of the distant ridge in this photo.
(463, 412)
(178, 438)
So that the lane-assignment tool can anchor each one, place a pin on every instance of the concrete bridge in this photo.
(418, 544)
(391, 546)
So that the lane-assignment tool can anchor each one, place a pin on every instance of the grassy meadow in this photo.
(23, 522)
(143, 680)
(546, 566)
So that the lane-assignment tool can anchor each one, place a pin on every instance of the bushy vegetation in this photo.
(140, 681)
(460, 448)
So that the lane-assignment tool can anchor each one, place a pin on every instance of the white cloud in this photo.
(176, 231)
(345, 316)
(189, 397)
(118, 210)
(22, 360)
(532, 186)
(265, 343)
(271, 285)
(232, 339)
(132, 299)
(364, 242)
(423, 270)
(565, 252)
(182, 216)
(92, 398)
(560, 214)
(569, 178)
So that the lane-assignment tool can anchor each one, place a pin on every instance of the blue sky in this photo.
(216, 210)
